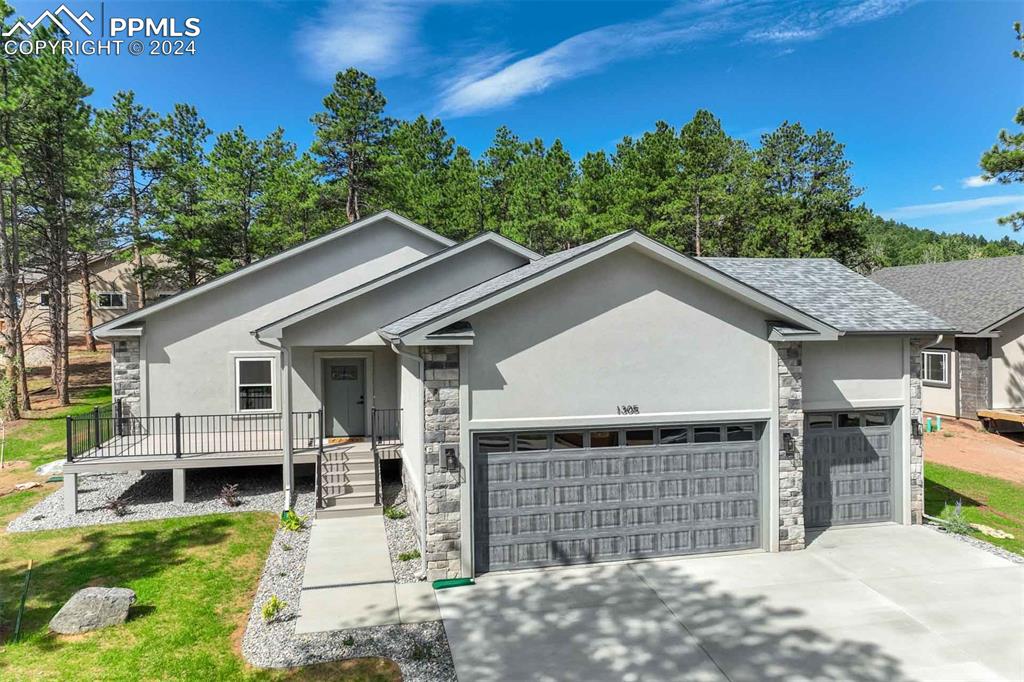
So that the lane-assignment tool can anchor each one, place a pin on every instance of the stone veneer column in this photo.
(791, 466)
(916, 443)
(125, 374)
(442, 488)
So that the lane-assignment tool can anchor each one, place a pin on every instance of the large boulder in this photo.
(93, 608)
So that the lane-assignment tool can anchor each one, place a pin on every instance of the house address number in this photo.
(628, 409)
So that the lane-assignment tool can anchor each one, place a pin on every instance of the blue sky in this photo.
(916, 91)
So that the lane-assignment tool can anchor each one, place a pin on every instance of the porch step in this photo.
(341, 512)
(350, 458)
(348, 467)
(329, 477)
(346, 489)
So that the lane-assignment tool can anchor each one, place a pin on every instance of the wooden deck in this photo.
(1003, 419)
(147, 453)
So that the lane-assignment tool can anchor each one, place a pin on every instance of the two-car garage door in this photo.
(572, 496)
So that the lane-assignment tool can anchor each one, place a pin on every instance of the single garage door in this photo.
(573, 496)
(848, 467)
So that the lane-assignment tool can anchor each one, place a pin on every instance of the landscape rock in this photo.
(54, 468)
(991, 532)
(93, 608)
(27, 485)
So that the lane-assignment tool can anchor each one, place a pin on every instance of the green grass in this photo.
(991, 501)
(194, 579)
(40, 436)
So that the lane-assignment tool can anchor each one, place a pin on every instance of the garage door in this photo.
(545, 498)
(848, 468)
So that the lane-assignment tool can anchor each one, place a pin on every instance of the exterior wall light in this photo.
(915, 427)
(789, 441)
(451, 457)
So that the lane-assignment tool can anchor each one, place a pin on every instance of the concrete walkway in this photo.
(880, 604)
(348, 582)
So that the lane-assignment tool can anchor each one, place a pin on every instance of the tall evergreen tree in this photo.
(1004, 162)
(348, 138)
(179, 198)
(413, 170)
(127, 136)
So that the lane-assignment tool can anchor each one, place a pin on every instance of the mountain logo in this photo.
(54, 17)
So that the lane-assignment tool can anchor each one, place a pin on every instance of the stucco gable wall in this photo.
(855, 371)
(357, 321)
(189, 348)
(623, 330)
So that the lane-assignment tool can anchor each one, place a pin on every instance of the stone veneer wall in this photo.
(443, 543)
(791, 467)
(974, 375)
(126, 375)
(916, 443)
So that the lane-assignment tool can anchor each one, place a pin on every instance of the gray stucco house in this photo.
(981, 366)
(614, 400)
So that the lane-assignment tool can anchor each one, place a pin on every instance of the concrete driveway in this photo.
(881, 603)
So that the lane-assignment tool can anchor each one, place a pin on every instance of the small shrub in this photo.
(272, 607)
(292, 521)
(118, 505)
(948, 434)
(229, 495)
(955, 520)
(421, 652)
(349, 641)
(409, 556)
(394, 513)
(286, 548)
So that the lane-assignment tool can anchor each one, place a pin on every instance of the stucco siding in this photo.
(357, 321)
(624, 330)
(1008, 365)
(855, 371)
(189, 347)
(307, 383)
(937, 399)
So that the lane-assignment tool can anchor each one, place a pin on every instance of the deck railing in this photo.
(111, 431)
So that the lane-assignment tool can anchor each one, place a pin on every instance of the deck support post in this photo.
(288, 470)
(178, 486)
(70, 494)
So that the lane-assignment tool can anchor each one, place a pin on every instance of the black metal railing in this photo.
(386, 426)
(114, 432)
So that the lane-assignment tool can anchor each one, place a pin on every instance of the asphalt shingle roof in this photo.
(832, 293)
(488, 287)
(971, 295)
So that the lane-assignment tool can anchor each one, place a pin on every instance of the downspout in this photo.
(397, 348)
(287, 464)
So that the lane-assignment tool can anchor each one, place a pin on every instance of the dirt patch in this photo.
(962, 444)
(88, 370)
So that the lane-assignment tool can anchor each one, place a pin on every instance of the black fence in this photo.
(111, 431)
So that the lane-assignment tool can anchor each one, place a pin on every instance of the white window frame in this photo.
(945, 355)
(273, 382)
(124, 300)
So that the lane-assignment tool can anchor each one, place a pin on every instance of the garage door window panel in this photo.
(604, 439)
(674, 435)
(639, 438)
(572, 440)
(707, 434)
(532, 442)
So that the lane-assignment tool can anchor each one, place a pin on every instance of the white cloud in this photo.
(975, 181)
(953, 207)
(490, 81)
(938, 188)
(380, 38)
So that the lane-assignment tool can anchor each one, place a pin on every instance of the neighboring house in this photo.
(981, 366)
(615, 400)
(113, 294)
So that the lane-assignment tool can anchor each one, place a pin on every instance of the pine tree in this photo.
(1004, 162)
(127, 136)
(348, 138)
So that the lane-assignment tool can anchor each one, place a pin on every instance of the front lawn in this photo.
(39, 437)
(194, 578)
(991, 501)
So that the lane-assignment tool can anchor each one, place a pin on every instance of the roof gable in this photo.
(260, 265)
(276, 328)
(418, 326)
(974, 296)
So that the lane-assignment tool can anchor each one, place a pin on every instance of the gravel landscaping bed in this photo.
(420, 650)
(980, 544)
(401, 536)
(149, 497)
